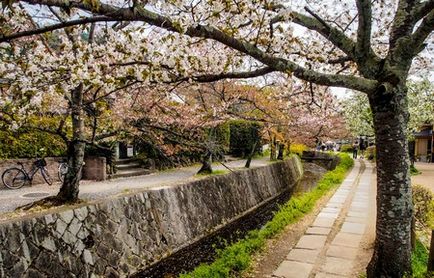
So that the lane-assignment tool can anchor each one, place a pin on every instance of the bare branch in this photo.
(206, 78)
(5, 38)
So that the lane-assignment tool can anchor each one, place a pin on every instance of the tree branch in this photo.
(421, 10)
(403, 22)
(209, 32)
(363, 46)
(283, 65)
(5, 38)
(422, 32)
(315, 23)
(206, 78)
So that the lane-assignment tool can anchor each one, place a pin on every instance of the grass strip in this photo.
(419, 261)
(237, 257)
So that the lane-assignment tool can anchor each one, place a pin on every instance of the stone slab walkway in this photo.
(330, 245)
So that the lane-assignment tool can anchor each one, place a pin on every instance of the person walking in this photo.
(355, 149)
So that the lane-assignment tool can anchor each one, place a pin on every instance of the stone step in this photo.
(129, 160)
(132, 165)
(131, 173)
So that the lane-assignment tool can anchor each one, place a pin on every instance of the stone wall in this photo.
(323, 159)
(120, 236)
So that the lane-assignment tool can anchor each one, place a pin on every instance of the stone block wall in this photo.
(120, 236)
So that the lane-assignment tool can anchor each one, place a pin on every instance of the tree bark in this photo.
(206, 164)
(250, 157)
(392, 255)
(273, 147)
(280, 151)
(70, 187)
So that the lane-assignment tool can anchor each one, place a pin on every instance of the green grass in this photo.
(237, 257)
(215, 172)
(414, 171)
(419, 261)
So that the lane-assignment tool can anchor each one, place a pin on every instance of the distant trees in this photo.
(359, 118)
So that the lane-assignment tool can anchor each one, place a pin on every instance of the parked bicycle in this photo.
(15, 177)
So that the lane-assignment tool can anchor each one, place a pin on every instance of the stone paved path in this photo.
(330, 245)
(95, 190)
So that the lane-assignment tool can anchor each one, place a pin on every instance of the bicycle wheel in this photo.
(46, 175)
(63, 169)
(14, 178)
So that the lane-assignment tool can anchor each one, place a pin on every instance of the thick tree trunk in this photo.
(70, 187)
(392, 254)
(206, 164)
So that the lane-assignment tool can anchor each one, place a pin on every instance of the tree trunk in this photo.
(206, 164)
(280, 151)
(252, 153)
(70, 187)
(392, 254)
(273, 148)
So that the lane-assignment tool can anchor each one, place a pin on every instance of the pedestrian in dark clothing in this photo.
(355, 149)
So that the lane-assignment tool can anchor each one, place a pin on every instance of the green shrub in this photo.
(414, 171)
(419, 260)
(423, 201)
(371, 153)
(243, 135)
(223, 135)
(346, 148)
(25, 144)
(237, 257)
(298, 149)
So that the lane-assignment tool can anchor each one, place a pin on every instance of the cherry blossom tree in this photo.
(368, 46)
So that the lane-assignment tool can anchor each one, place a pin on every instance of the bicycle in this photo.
(15, 178)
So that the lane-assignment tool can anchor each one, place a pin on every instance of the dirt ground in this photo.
(426, 178)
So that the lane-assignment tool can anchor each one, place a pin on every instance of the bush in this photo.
(423, 201)
(223, 136)
(371, 153)
(243, 135)
(25, 144)
(346, 148)
(237, 257)
(298, 149)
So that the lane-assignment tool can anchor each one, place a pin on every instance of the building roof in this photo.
(423, 133)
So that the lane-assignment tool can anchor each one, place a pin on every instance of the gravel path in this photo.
(93, 190)
(426, 178)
